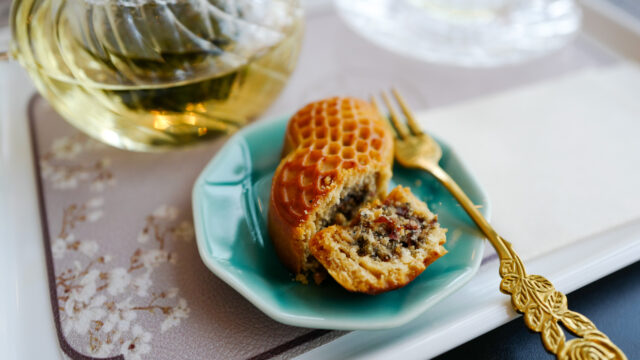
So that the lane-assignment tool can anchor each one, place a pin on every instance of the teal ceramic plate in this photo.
(230, 203)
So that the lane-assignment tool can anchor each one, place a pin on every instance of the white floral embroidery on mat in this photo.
(96, 298)
(88, 289)
(90, 211)
(56, 164)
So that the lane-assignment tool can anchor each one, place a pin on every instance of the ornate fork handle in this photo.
(544, 308)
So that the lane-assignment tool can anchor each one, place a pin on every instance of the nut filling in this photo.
(387, 244)
(381, 233)
(350, 201)
(344, 211)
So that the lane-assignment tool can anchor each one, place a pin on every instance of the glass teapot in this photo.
(156, 74)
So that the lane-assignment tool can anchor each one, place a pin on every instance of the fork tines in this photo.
(400, 128)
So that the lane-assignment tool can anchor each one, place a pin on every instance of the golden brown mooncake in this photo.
(337, 156)
(387, 245)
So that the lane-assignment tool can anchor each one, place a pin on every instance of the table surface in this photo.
(612, 302)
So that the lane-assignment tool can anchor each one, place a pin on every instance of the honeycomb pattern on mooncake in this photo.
(323, 139)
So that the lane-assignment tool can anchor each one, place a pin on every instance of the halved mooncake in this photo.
(385, 247)
(337, 156)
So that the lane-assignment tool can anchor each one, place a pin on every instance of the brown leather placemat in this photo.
(125, 277)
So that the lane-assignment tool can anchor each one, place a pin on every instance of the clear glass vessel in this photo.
(474, 33)
(155, 74)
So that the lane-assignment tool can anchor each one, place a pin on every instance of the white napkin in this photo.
(560, 160)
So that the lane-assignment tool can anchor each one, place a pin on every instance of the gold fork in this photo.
(544, 308)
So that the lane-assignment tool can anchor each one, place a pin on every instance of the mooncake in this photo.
(387, 245)
(337, 156)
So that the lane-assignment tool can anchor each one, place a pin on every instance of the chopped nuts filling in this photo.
(341, 214)
(384, 231)
(348, 205)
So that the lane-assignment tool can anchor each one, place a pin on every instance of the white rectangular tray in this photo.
(477, 308)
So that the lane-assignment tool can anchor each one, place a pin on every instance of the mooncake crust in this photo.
(333, 149)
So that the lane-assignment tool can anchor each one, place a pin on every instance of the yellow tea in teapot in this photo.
(155, 74)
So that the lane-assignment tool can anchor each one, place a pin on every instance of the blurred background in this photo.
(4, 12)
(161, 96)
